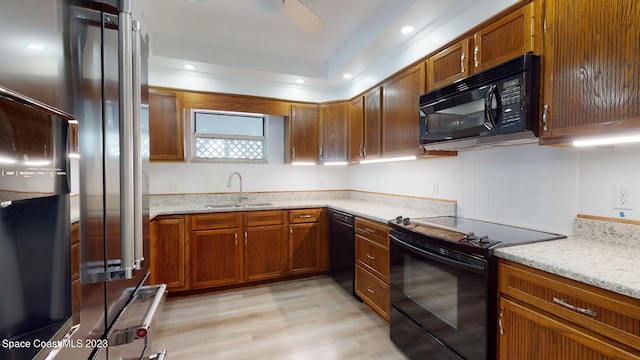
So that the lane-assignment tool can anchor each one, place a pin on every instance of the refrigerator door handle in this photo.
(137, 147)
(127, 198)
(140, 330)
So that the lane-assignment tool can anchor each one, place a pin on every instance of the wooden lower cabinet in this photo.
(169, 252)
(531, 334)
(200, 251)
(265, 245)
(308, 241)
(372, 265)
(216, 258)
(544, 316)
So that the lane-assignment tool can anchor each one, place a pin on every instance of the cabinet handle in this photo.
(360, 151)
(573, 307)
(246, 236)
(364, 151)
(293, 153)
(462, 57)
(236, 239)
(370, 231)
(321, 155)
(545, 112)
(371, 257)
(370, 290)
(305, 216)
(500, 320)
(475, 56)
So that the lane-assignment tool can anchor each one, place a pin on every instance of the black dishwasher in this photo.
(342, 241)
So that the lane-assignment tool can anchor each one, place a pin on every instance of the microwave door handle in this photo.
(491, 121)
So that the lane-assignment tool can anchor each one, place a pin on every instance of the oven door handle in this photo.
(439, 258)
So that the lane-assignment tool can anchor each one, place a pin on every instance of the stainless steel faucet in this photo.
(240, 195)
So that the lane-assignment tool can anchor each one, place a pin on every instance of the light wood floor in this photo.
(307, 319)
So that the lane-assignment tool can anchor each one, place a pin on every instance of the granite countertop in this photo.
(602, 264)
(373, 211)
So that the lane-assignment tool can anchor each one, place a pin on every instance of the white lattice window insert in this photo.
(229, 136)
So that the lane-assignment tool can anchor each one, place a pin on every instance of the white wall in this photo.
(542, 187)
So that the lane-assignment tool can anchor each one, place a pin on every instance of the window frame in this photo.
(193, 135)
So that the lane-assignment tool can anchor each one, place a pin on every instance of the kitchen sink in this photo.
(234, 205)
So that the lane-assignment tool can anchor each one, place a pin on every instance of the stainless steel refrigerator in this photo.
(94, 67)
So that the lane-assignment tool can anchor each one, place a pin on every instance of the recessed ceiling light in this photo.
(346, 76)
(36, 47)
(406, 29)
(300, 81)
(189, 67)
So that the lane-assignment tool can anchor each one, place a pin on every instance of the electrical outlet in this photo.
(622, 198)
(435, 189)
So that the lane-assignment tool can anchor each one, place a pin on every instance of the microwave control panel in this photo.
(511, 98)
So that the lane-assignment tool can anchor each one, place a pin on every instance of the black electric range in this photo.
(443, 284)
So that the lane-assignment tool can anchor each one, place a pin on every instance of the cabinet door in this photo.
(591, 68)
(449, 65)
(167, 252)
(400, 114)
(372, 147)
(356, 129)
(303, 133)
(334, 120)
(506, 38)
(304, 248)
(265, 252)
(524, 333)
(215, 258)
(166, 130)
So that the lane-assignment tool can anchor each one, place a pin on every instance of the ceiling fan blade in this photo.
(303, 16)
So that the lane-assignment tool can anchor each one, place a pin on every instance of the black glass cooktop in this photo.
(473, 232)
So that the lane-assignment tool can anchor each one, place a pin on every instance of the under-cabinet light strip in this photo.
(607, 141)
(382, 160)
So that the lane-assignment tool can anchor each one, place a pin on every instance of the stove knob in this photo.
(399, 219)
(406, 221)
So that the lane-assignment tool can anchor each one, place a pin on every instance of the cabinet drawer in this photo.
(215, 221)
(373, 231)
(372, 291)
(373, 257)
(612, 315)
(263, 218)
(305, 215)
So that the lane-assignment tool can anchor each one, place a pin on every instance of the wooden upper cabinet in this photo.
(301, 136)
(591, 68)
(449, 65)
(166, 129)
(356, 129)
(334, 121)
(372, 147)
(400, 114)
(507, 38)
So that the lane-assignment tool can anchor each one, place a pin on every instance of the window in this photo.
(228, 136)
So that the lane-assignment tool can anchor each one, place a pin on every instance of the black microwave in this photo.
(497, 105)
